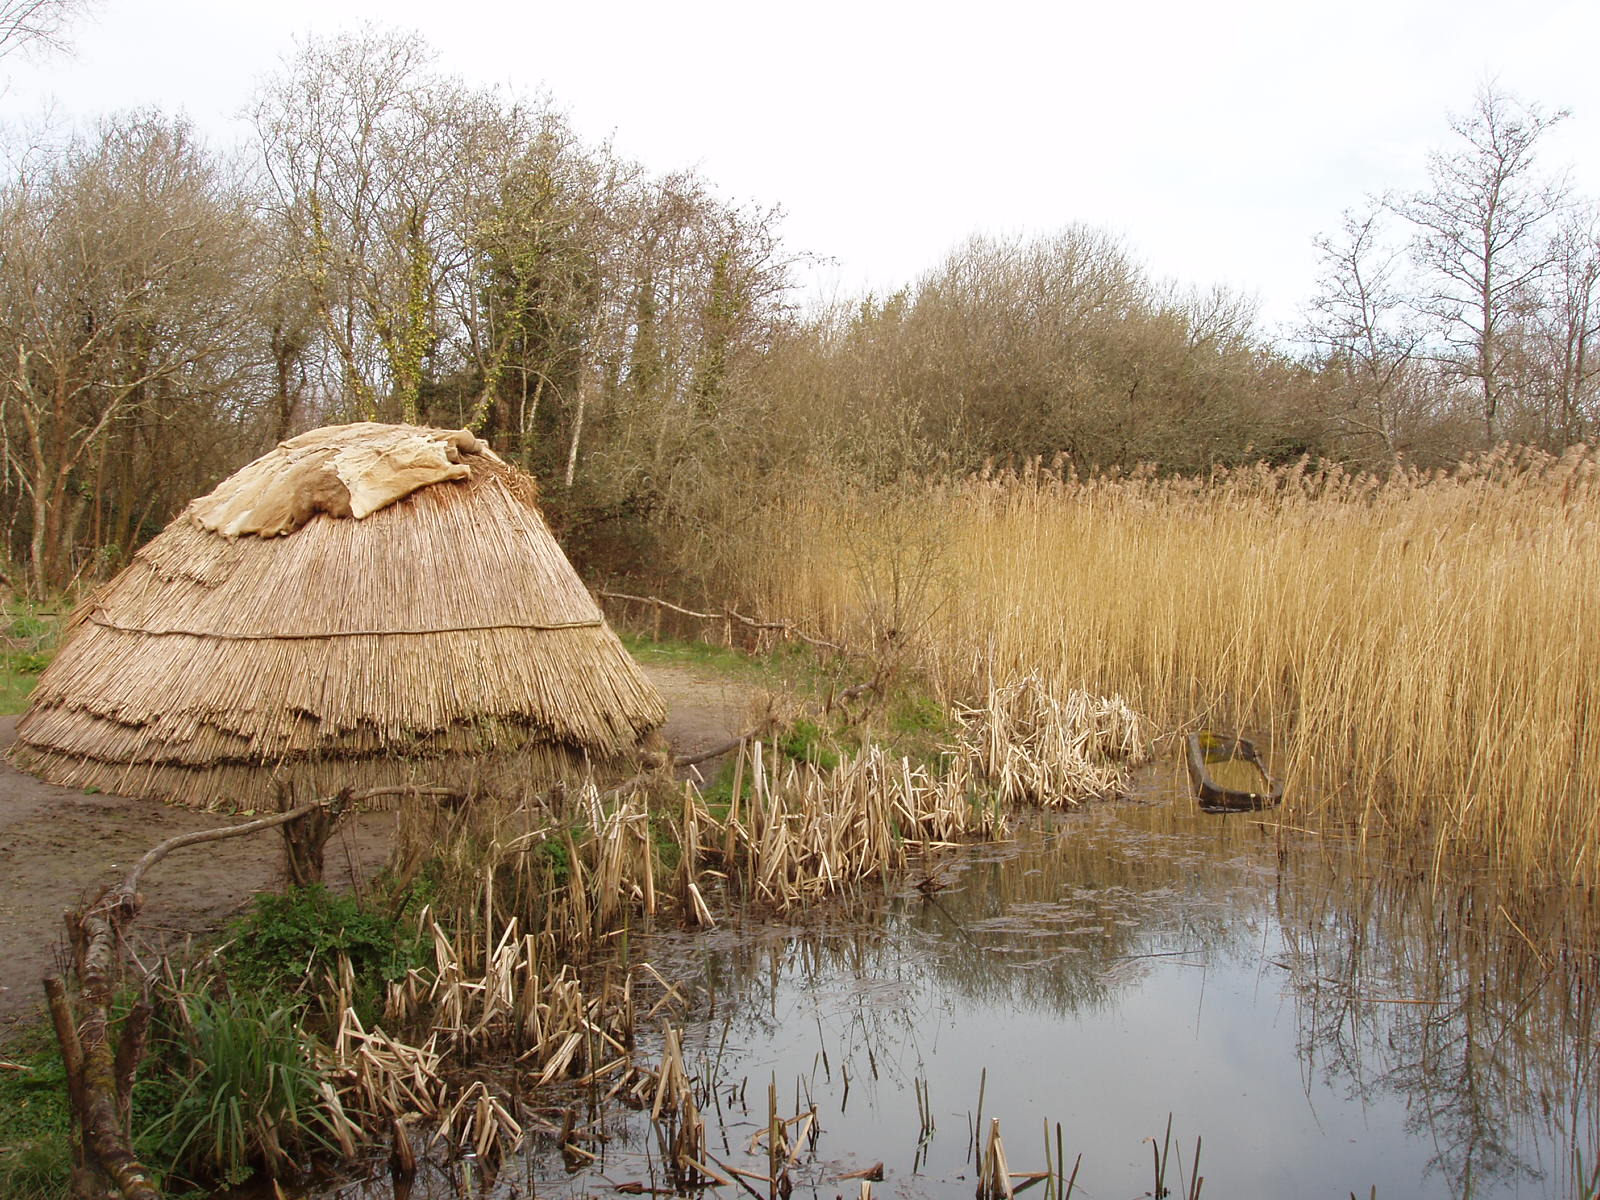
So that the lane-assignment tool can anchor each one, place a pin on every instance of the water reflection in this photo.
(1328, 1022)
(1441, 998)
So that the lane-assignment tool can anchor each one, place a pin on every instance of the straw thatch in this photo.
(441, 639)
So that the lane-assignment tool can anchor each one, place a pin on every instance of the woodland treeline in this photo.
(394, 244)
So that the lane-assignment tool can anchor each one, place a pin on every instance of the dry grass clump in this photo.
(572, 866)
(569, 867)
(791, 832)
(1034, 747)
(1423, 650)
(383, 1077)
(507, 1002)
(477, 1003)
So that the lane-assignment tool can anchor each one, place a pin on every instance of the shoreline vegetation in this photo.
(1422, 650)
(320, 1026)
(489, 939)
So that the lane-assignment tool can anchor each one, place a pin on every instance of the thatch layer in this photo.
(231, 787)
(443, 635)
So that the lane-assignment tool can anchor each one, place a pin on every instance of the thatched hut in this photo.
(367, 605)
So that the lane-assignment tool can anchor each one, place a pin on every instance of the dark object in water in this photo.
(1228, 774)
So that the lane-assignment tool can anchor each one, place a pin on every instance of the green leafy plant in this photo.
(247, 1095)
(288, 943)
(27, 644)
(552, 855)
(28, 662)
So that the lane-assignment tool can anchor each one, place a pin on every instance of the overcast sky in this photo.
(1217, 139)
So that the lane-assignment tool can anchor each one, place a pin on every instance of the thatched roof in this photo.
(260, 635)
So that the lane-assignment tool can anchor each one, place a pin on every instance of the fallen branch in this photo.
(405, 789)
(129, 888)
(100, 1077)
(728, 747)
(787, 628)
(677, 761)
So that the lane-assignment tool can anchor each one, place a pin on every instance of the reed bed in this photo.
(574, 867)
(510, 1003)
(791, 833)
(1423, 651)
(1035, 747)
(570, 866)
(498, 1006)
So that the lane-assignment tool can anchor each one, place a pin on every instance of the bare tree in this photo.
(694, 288)
(36, 24)
(1571, 326)
(529, 299)
(355, 135)
(398, 188)
(119, 319)
(1365, 328)
(1481, 236)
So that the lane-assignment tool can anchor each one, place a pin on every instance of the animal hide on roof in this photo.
(341, 470)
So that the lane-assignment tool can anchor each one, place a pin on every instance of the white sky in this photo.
(1216, 138)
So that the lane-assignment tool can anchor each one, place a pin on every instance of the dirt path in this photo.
(57, 846)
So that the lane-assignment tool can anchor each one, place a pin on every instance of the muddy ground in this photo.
(58, 846)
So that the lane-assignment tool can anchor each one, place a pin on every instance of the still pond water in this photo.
(1325, 1029)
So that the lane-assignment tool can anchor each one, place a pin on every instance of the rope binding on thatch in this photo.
(97, 619)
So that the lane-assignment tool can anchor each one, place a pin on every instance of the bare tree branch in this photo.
(38, 24)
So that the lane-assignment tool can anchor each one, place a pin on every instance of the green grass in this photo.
(808, 741)
(788, 666)
(908, 719)
(15, 688)
(679, 652)
(247, 1093)
(27, 643)
(35, 1120)
(917, 725)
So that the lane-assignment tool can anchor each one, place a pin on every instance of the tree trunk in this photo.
(577, 432)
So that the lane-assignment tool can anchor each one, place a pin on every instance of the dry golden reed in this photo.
(479, 1001)
(1035, 747)
(1423, 652)
(792, 833)
(562, 872)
